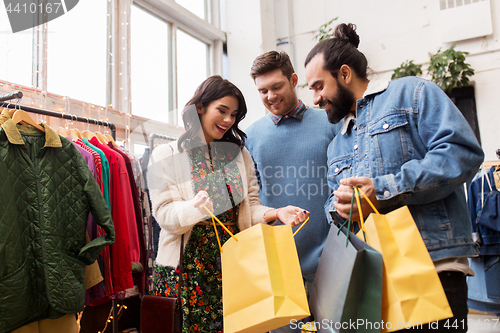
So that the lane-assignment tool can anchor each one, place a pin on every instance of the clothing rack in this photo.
(154, 136)
(19, 95)
(13, 95)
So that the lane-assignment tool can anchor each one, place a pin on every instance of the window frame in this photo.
(181, 18)
(118, 96)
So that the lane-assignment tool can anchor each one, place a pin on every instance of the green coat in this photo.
(46, 194)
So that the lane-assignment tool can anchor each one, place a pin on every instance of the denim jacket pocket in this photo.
(339, 167)
(393, 128)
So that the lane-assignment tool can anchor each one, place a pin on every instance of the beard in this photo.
(340, 104)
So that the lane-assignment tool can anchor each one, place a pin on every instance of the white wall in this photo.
(250, 32)
(391, 31)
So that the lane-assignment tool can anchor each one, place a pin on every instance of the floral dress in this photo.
(211, 171)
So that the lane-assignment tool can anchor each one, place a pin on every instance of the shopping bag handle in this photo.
(217, 234)
(356, 193)
(368, 200)
(222, 224)
(361, 219)
(349, 220)
(303, 223)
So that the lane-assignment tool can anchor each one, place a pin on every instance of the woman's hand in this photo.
(201, 199)
(292, 215)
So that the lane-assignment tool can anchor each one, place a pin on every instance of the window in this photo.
(171, 54)
(163, 50)
(17, 54)
(139, 150)
(465, 100)
(192, 67)
(197, 7)
(76, 53)
(150, 71)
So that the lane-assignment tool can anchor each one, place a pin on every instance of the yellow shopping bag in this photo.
(262, 286)
(412, 293)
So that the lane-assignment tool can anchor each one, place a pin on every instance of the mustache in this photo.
(324, 102)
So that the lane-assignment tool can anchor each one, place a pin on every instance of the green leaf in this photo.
(448, 68)
(325, 30)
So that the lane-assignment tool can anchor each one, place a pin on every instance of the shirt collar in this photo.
(4, 116)
(14, 136)
(297, 113)
(374, 87)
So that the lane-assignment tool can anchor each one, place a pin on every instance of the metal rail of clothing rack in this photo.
(154, 136)
(18, 95)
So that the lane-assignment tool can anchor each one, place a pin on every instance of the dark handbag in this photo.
(163, 314)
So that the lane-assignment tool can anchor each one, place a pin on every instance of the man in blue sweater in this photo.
(289, 147)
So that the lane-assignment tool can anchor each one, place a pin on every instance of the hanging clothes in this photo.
(484, 205)
(94, 288)
(130, 192)
(97, 161)
(106, 182)
(120, 251)
(47, 193)
(94, 297)
(151, 227)
(140, 271)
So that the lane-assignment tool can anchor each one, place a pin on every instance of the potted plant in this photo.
(407, 68)
(449, 70)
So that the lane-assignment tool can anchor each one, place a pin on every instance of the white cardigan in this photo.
(172, 196)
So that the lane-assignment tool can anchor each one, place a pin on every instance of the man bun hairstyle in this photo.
(341, 49)
(270, 61)
(347, 33)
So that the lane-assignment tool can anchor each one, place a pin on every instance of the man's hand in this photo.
(344, 195)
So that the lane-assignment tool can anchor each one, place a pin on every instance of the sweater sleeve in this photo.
(169, 208)
(257, 210)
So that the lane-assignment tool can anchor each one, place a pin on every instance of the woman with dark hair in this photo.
(207, 168)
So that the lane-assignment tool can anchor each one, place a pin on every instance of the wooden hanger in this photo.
(74, 134)
(88, 134)
(23, 117)
(110, 139)
(101, 138)
(489, 164)
(62, 132)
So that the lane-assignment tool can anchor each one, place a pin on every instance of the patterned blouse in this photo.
(213, 172)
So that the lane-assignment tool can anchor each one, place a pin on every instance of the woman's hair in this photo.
(270, 61)
(212, 89)
(341, 49)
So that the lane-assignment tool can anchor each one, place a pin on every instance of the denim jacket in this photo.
(419, 150)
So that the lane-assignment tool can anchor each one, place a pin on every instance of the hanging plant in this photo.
(407, 68)
(448, 69)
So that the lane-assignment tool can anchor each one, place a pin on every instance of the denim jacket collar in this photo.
(374, 87)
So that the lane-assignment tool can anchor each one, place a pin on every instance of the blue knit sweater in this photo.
(291, 163)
